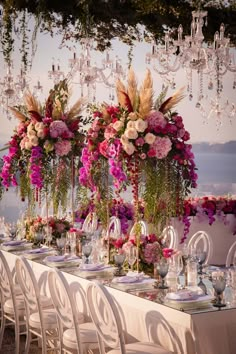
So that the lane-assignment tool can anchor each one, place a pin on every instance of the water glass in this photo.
(219, 283)
(132, 256)
(61, 242)
(119, 261)
(163, 268)
(201, 258)
(87, 250)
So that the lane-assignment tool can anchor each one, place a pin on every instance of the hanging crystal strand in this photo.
(190, 85)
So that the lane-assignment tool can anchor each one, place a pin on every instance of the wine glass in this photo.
(132, 256)
(201, 257)
(119, 261)
(39, 237)
(73, 243)
(12, 229)
(163, 268)
(87, 250)
(61, 242)
(48, 233)
(218, 283)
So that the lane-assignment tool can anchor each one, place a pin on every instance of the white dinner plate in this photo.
(37, 253)
(139, 284)
(16, 245)
(202, 302)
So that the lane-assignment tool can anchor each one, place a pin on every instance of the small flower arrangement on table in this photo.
(39, 224)
(151, 250)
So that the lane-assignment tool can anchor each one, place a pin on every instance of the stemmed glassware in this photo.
(201, 257)
(87, 250)
(61, 242)
(119, 261)
(39, 238)
(219, 283)
(163, 268)
(12, 229)
(132, 256)
(48, 235)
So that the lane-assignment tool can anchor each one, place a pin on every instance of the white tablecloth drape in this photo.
(199, 333)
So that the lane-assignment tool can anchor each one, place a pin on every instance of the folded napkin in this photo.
(14, 243)
(38, 250)
(64, 258)
(131, 277)
(93, 266)
(183, 295)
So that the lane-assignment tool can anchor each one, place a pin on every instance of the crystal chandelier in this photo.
(85, 72)
(209, 63)
(12, 89)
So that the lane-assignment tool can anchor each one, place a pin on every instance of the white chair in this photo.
(231, 256)
(114, 228)
(170, 237)
(106, 318)
(41, 321)
(12, 304)
(142, 225)
(203, 241)
(75, 336)
(90, 223)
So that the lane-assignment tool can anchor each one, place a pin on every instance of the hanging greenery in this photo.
(105, 20)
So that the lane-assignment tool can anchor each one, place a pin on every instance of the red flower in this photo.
(103, 148)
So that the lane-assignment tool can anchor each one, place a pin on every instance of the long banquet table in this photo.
(199, 332)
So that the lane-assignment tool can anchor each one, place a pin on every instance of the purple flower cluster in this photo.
(36, 167)
(8, 177)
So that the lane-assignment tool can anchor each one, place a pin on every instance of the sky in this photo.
(47, 48)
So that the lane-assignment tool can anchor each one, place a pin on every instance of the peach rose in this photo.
(149, 138)
(140, 125)
(131, 133)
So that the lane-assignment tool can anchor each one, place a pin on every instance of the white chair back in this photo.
(202, 240)
(143, 225)
(231, 256)
(170, 237)
(6, 281)
(64, 304)
(90, 224)
(28, 285)
(114, 228)
(105, 317)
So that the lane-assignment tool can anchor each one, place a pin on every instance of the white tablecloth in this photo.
(199, 333)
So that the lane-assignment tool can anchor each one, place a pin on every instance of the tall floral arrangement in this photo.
(45, 148)
(144, 143)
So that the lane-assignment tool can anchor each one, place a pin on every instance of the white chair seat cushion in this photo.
(88, 335)
(142, 348)
(49, 319)
(20, 304)
(45, 301)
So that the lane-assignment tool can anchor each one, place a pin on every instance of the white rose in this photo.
(118, 125)
(129, 148)
(39, 126)
(130, 124)
(124, 140)
(149, 138)
(31, 133)
(140, 125)
(28, 145)
(30, 127)
(131, 133)
(34, 140)
(41, 133)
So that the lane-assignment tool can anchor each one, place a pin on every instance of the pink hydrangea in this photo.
(63, 147)
(156, 120)
(152, 252)
(161, 146)
(58, 128)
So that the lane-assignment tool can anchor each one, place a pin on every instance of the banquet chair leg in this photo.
(28, 341)
(2, 329)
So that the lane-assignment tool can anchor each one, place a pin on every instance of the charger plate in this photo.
(15, 246)
(38, 253)
(199, 303)
(144, 283)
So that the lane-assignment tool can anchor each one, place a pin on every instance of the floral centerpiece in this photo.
(142, 144)
(45, 147)
(38, 224)
(208, 208)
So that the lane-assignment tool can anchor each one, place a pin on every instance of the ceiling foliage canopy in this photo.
(104, 20)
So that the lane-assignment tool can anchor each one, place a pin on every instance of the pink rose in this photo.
(103, 148)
